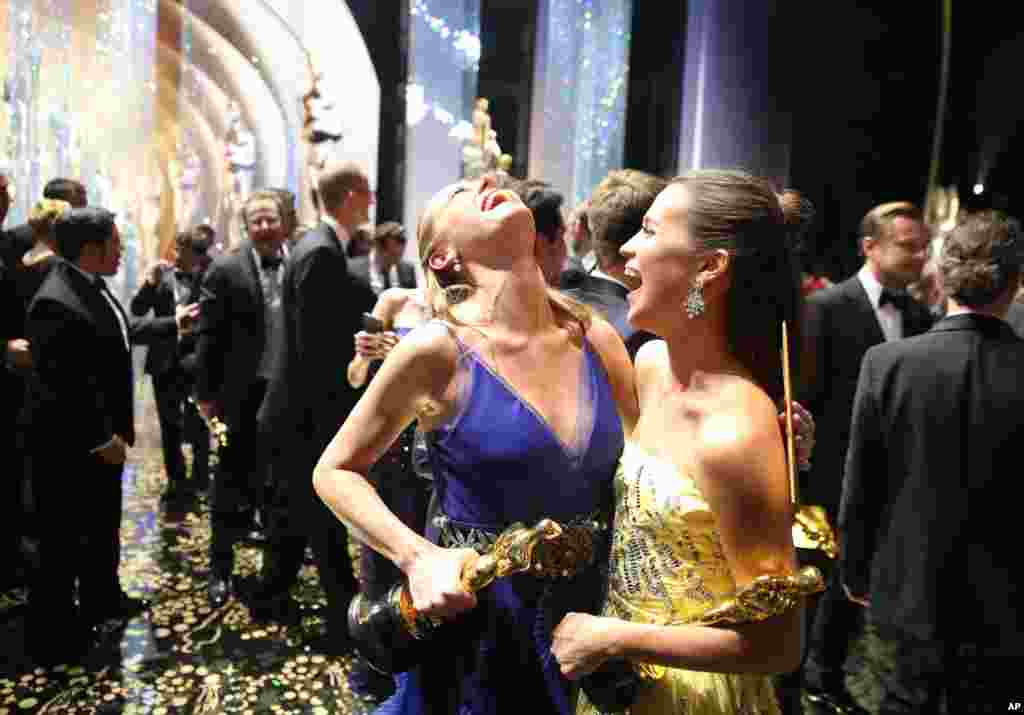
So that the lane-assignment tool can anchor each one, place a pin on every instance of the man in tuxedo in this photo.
(18, 284)
(240, 316)
(384, 268)
(166, 287)
(930, 492)
(80, 417)
(309, 398)
(842, 323)
(615, 214)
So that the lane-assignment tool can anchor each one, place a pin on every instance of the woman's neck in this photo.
(516, 300)
(699, 347)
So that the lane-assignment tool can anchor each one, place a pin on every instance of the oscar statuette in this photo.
(393, 636)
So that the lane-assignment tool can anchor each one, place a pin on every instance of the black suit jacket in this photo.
(840, 327)
(609, 298)
(309, 397)
(360, 267)
(1015, 317)
(930, 498)
(17, 284)
(163, 355)
(81, 393)
(232, 331)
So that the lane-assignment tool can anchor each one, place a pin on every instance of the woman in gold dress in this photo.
(704, 597)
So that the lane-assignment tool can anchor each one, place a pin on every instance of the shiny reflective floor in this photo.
(181, 656)
(184, 657)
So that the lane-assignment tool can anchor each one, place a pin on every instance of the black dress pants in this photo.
(300, 518)
(12, 517)
(837, 620)
(241, 476)
(950, 676)
(79, 508)
(178, 419)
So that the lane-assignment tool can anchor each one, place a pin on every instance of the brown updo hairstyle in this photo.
(446, 287)
(742, 214)
(981, 259)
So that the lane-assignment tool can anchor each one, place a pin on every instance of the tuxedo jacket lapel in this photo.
(252, 272)
(858, 297)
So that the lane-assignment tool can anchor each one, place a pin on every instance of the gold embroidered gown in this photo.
(667, 566)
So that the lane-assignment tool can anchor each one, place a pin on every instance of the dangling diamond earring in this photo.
(695, 301)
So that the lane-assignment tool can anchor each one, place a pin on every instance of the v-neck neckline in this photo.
(575, 456)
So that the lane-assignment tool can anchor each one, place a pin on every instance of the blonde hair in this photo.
(43, 215)
(447, 287)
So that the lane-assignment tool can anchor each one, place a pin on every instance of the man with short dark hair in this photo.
(309, 398)
(615, 214)
(930, 487)
(384, 268)
(546, 205)
(74, 192)
(80, 424)
(168, 286)
(843, 322)
(240, 317)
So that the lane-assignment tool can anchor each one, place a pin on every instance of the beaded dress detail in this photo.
(667, 567)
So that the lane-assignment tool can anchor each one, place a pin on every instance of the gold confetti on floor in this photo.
(182, 656)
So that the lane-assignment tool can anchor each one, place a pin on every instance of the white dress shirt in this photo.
(273, 312)
(890, 319)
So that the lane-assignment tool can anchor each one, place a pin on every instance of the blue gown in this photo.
(497, 462)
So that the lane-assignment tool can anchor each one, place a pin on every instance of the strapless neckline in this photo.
(638, 458)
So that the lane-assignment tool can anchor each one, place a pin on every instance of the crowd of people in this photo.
(619, 369)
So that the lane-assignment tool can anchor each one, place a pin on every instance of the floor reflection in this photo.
(181, 656)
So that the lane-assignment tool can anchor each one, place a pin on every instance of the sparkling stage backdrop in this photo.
(577, 128)
(78, 92)
(171, 111)
(444, 58)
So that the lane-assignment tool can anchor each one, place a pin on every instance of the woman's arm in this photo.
(389, 304)
(418, 371)
(612, 351)
(744, 480)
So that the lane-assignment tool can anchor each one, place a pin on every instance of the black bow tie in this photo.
(270, 262)
(183, 275)
(899, 300)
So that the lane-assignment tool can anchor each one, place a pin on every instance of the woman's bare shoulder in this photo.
(743, 417)
(391, 302)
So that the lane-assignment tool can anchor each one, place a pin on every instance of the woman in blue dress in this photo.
(523, 397)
